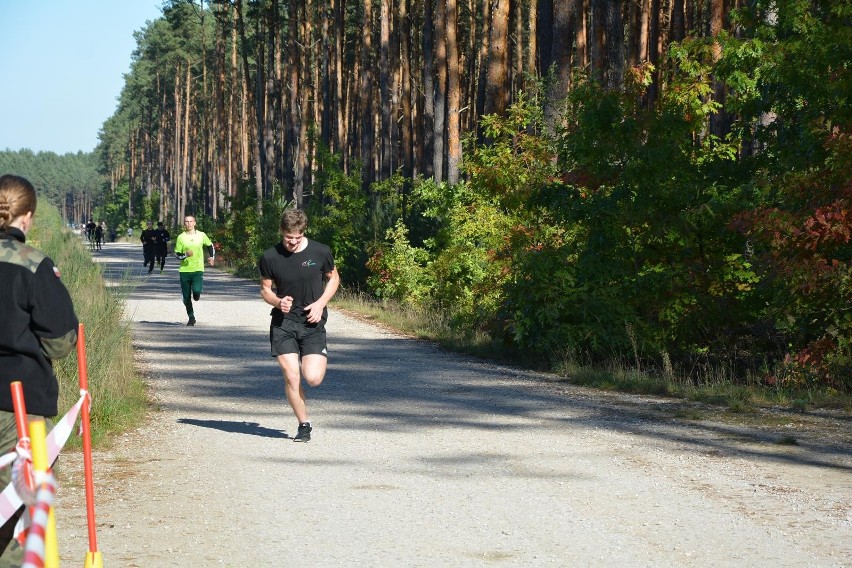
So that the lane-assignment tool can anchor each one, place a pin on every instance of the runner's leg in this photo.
(197, 285)
(289, 363)
(186, 291)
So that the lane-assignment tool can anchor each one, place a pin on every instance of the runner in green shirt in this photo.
(189, 248)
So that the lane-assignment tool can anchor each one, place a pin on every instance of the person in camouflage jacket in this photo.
(38, 326)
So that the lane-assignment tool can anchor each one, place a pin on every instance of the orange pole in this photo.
(21, 422)
(20, 409)
(82, 371)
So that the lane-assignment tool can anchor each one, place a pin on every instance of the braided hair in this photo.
(17, 197)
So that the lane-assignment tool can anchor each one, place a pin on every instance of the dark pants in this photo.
(148, 253)
(191, 286)
(160, 256)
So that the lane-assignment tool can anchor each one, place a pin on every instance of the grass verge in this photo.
(119, 398)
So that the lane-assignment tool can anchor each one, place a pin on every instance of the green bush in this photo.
(398, 270)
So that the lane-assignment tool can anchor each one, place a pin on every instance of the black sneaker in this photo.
(196, 296)
(191, 321)
(304, 434)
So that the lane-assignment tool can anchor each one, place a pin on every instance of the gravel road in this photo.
(422, 457)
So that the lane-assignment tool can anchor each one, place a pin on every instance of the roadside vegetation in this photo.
(118, 392)
(623, 374)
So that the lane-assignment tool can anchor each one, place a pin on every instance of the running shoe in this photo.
(304, 434)
(191, 321)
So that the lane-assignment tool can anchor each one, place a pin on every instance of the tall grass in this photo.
(118, 392)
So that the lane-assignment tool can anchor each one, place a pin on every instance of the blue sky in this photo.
(61, 68)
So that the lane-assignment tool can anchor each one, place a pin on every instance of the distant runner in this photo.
(149, 245)
(162, 250)
(189, 248)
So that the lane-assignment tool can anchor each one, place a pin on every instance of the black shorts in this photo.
(297, 337)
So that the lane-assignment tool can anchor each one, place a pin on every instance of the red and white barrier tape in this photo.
(10, 501)
(34, 551)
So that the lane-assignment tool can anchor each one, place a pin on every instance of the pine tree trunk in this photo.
(176, 149)
(583, 35)
(251, 143)
(532, 46)
(614, 49)
(406, 84)
(440, 93)
(302, 167)
(220, 126)
(482, 63)
(185, 173)
(271, 97)
(596, 30)
(454, 153)
(717, 20)
(339, 102)
(678, 23)
(426, 126)
(385, 89)
(654, 51)
(546, 29)
(365, 90)
(497, 89)
(564, 23)
(517, 48)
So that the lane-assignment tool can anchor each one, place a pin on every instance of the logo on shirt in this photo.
(309, 263)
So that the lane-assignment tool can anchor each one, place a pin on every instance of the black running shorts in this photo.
(297, 337)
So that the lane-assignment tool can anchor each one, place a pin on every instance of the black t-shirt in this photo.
(163, 238)
(298, 274)
(148, 238)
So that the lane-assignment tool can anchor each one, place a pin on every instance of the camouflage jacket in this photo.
(37, 324)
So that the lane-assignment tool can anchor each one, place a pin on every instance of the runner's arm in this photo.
(271, 297)
(180, 252)
(315, 309)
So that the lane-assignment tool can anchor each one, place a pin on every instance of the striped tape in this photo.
(10, 501)
(34, 550)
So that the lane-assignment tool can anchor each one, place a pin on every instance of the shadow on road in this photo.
(250, 428)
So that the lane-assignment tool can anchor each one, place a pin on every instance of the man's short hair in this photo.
(293, 221)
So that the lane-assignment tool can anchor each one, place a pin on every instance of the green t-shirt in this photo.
(196, 243)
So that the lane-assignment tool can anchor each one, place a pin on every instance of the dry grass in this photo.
(118, 392)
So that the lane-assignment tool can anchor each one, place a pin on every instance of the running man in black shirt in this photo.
(162, 250)
(149, 245)
(304, 278)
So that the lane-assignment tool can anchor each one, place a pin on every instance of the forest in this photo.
(663, 182)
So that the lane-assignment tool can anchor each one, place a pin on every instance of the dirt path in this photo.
(426, 458)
